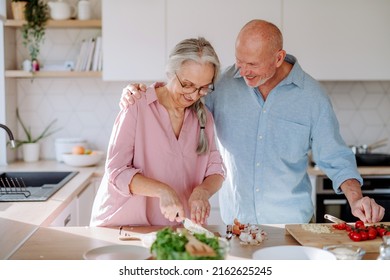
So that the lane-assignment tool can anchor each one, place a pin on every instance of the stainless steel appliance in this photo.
(328, 202)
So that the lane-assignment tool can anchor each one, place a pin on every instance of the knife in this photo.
(334, 219)
(195, 228)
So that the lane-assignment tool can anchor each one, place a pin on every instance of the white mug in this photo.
(83, 10)
(27, 65)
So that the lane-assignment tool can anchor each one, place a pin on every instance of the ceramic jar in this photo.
(83, 10)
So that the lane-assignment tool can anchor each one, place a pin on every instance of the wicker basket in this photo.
(18, 10)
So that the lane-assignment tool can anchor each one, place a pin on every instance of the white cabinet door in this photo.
(68, 216)
(339, 40)
(219, 21)
(85, 202)
(133, 40)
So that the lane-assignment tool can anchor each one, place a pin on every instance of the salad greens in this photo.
(170, 245)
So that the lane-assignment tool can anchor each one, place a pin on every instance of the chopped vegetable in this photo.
(170, 245)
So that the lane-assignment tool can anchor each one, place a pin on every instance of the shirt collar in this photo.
(151, 95)
(296, 75)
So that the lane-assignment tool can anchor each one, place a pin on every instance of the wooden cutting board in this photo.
(319, 240)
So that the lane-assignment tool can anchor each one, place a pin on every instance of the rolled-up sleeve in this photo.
(119, 164)
(215, 163)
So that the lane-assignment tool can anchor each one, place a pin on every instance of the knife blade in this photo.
(195, 228)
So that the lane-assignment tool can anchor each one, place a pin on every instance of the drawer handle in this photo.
(67, 220)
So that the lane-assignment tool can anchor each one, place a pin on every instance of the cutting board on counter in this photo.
(319, 240)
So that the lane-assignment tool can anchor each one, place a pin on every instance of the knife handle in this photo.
(334, 219)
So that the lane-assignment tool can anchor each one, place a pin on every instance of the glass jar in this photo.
(384, 248)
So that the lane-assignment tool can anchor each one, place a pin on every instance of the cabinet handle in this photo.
(335, 201)
(67, 220)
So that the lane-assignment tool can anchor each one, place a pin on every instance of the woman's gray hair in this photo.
(200, 51)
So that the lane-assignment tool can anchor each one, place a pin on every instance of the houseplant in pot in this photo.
(33, 31)
(18, 9)
(31, 144)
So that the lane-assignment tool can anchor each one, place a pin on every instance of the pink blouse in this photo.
(143, 141)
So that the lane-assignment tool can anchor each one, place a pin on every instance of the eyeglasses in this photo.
(189, 88)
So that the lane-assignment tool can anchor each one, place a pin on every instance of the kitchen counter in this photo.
(70, 243)
(19, 220)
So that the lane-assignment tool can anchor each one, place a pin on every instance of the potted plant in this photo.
(18, 8)
(33, 31)
(31, 145)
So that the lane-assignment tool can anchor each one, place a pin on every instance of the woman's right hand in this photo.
(171, 206)
(129, 93)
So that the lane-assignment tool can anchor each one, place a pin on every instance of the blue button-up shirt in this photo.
(265, 146)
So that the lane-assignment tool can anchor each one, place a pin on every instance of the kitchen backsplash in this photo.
(86, 107)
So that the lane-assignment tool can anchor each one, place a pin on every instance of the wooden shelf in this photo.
(72, 23)
(52, 74)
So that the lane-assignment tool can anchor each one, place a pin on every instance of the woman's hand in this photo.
(129, 93)
(199, 205)
(170, 205)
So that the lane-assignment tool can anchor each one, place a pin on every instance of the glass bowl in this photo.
(346, 252)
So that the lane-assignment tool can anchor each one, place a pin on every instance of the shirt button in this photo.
(257, 190)
(260, 137)
(264, 111)
(257, 164)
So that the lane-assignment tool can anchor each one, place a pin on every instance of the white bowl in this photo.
(292, 252)
(65, 145)
(83, 160)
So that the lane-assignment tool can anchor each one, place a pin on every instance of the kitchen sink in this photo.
(32, 186)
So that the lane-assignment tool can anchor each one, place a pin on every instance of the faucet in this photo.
(10, 135)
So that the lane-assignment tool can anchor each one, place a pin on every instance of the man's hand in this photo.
(129, 93)
(367, 210)
(364, 208)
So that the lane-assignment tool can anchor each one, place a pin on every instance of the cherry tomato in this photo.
(387, 233)
(372, 233)
(382, 231)
(339, 226)
(364, 235)
(355, 236)
(348, 228)
(360, 224)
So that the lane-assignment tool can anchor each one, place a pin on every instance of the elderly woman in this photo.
(162, 161)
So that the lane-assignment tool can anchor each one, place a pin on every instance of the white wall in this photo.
(87, 107)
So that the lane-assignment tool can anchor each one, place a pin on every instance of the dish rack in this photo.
(13, 186)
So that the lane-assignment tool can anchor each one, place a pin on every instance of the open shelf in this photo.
(72, 23)
(52, 74)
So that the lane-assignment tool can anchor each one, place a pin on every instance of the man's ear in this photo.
(280, 57)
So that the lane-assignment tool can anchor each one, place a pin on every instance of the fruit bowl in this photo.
(83, 159)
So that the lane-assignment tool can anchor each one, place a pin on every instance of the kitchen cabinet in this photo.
(219, 21)
(85, 202)
(150, 29)
(67, 217)
(78, 211)
(339, 40)
(133, 40)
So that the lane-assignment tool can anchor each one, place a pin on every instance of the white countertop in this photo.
(19, 220)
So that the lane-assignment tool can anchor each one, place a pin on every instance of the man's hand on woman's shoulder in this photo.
(130, 93)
